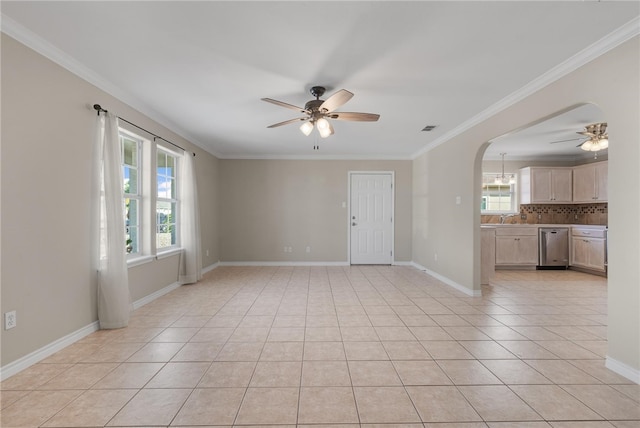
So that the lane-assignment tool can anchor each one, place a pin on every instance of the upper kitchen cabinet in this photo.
(546, 185)
(590, 182)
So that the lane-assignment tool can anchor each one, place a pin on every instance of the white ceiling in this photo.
(554, 138)
(200, 68)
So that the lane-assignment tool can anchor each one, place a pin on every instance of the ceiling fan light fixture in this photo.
(587, 146)
(322, 123)
(599, 139)
(323, 127)
(306, 128)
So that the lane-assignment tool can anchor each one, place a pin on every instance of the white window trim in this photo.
(141, 260)
(140, 195)
(169, 252)
(147, 200)
(175, 248)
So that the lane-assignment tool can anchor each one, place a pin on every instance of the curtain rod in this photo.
(99, 109)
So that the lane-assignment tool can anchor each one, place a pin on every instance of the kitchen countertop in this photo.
(586, 226)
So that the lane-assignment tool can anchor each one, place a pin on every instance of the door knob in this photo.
(354, 224)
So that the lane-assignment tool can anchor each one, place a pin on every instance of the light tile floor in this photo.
(341, 345)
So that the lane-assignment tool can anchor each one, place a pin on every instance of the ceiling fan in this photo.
(316, 112)
(598, 137)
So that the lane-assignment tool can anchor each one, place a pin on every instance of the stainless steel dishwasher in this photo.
(554, 246)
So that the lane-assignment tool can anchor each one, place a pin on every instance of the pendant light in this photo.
(503, 179)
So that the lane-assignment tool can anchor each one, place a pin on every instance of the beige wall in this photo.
(611, 82)
(269, 204)
(46, 170)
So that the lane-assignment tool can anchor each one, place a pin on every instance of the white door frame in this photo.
(393, 205)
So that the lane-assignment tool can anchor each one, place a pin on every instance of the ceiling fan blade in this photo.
(587, 133)
(285, 105)
(357, 117)
(582, 142)
(336, 100)
(564, 141)
(286, 122)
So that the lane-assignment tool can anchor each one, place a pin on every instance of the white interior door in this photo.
(371, 218)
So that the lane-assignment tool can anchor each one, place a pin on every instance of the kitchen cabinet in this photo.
(516, 246)
(590, 182)
(588, 248)
(546, 185)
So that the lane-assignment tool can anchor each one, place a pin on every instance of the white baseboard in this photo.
(623, 369)
(284, 263)
(57, 345)
(153, 296)
(397, 263)
(47, 350)
(210, 267)
(448, 281)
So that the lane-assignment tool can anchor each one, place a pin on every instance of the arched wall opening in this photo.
(446, 208)
(562, 126)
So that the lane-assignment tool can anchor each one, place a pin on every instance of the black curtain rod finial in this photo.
(99, 109)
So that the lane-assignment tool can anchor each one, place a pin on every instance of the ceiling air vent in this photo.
(429, 128)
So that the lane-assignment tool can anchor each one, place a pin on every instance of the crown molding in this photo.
(588, 54)
(28, 38)
(318, 157)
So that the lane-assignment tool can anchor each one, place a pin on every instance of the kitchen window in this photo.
(498, 197)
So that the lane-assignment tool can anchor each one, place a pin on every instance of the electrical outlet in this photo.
(10, 320)
(435, 257)
(207, 253)
(308, 249)
(523, 216)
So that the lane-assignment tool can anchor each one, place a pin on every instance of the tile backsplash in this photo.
(556, 214)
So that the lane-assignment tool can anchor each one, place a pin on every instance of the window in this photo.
(151, 201)
(130, 147)
(166, 202)
(498, 198)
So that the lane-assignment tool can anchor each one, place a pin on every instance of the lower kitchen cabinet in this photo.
(516, 246)
(588, 249)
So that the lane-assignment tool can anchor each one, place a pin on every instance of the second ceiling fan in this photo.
(316, 112)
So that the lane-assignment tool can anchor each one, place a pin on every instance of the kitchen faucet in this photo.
(503, 217)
